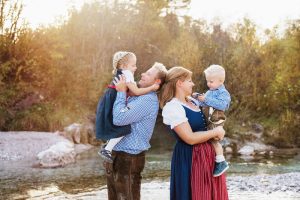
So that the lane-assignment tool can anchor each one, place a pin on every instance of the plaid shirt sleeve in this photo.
(134, 111)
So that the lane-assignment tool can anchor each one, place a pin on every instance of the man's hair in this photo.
(215, 71)
(162, 72)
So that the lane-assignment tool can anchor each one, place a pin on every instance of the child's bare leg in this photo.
(221, 165)
(219, 151)
(218, 147)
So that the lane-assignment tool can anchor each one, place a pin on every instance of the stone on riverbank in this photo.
(58, 155)
(53, 150)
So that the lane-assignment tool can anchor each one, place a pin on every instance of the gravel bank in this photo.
(275, 187)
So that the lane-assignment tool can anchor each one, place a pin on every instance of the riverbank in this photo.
(275, 176)
(275, 187)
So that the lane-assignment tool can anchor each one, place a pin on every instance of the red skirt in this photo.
(204, 186)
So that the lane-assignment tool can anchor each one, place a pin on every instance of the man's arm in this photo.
(134, 111)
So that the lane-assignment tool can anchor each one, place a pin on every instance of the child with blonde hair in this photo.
(124, 63)
(214, 102)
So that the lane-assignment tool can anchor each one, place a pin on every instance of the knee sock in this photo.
(220, 158)
(112, 142)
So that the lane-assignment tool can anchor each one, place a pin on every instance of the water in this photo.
(18, 179)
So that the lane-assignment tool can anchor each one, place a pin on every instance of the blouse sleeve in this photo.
(173, 114)
(128, 76)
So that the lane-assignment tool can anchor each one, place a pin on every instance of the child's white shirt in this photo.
(128, 76)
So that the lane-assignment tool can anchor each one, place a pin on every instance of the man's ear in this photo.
(157, 81)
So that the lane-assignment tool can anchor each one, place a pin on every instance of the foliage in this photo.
(69, 65)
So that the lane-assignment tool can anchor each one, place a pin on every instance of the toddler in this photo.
(214, 103)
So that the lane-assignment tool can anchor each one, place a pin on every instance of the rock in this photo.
(258, 128)
(25, 145)
(260, 147)
(58, 155)
(247, 158)
(252, 136)
(228, 150)
(247, 150)
(251, 148)
(73, 132)
(262, 153)
(79, 148)
(226, 142)
(81, 133)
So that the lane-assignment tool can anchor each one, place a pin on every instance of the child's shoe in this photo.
(105, 154)
(220, 168)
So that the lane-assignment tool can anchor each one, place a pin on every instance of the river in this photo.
(18, 180)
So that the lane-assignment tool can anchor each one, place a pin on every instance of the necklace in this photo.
(188, 104)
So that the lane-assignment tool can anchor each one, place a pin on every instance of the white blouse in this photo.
(173, 113)
(128, 76)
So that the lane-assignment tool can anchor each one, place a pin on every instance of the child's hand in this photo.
(155, 87)
(195, 95)
(201, 97)
(192, 100)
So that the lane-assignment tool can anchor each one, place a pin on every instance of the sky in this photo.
(265, 13)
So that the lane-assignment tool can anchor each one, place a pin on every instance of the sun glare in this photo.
(265, 13)
(45, 12)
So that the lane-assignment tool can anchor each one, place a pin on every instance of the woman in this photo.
(193, 156)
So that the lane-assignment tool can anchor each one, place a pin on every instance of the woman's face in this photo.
(187, 86)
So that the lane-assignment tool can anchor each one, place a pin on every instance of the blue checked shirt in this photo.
(218, 99)
(140, 112)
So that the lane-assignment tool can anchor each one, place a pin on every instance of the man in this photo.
(124, 174)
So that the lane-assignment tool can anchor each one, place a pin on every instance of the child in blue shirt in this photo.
(215, 101)
(124, 63)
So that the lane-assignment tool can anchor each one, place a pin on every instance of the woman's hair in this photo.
(121, 58)
(168, 90)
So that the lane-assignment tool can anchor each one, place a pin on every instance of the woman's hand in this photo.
(219, 132)
(120, 83)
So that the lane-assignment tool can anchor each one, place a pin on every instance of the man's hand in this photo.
(120, 83)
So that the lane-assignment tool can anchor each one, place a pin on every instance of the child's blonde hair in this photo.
(215, 71)
(121, 58)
